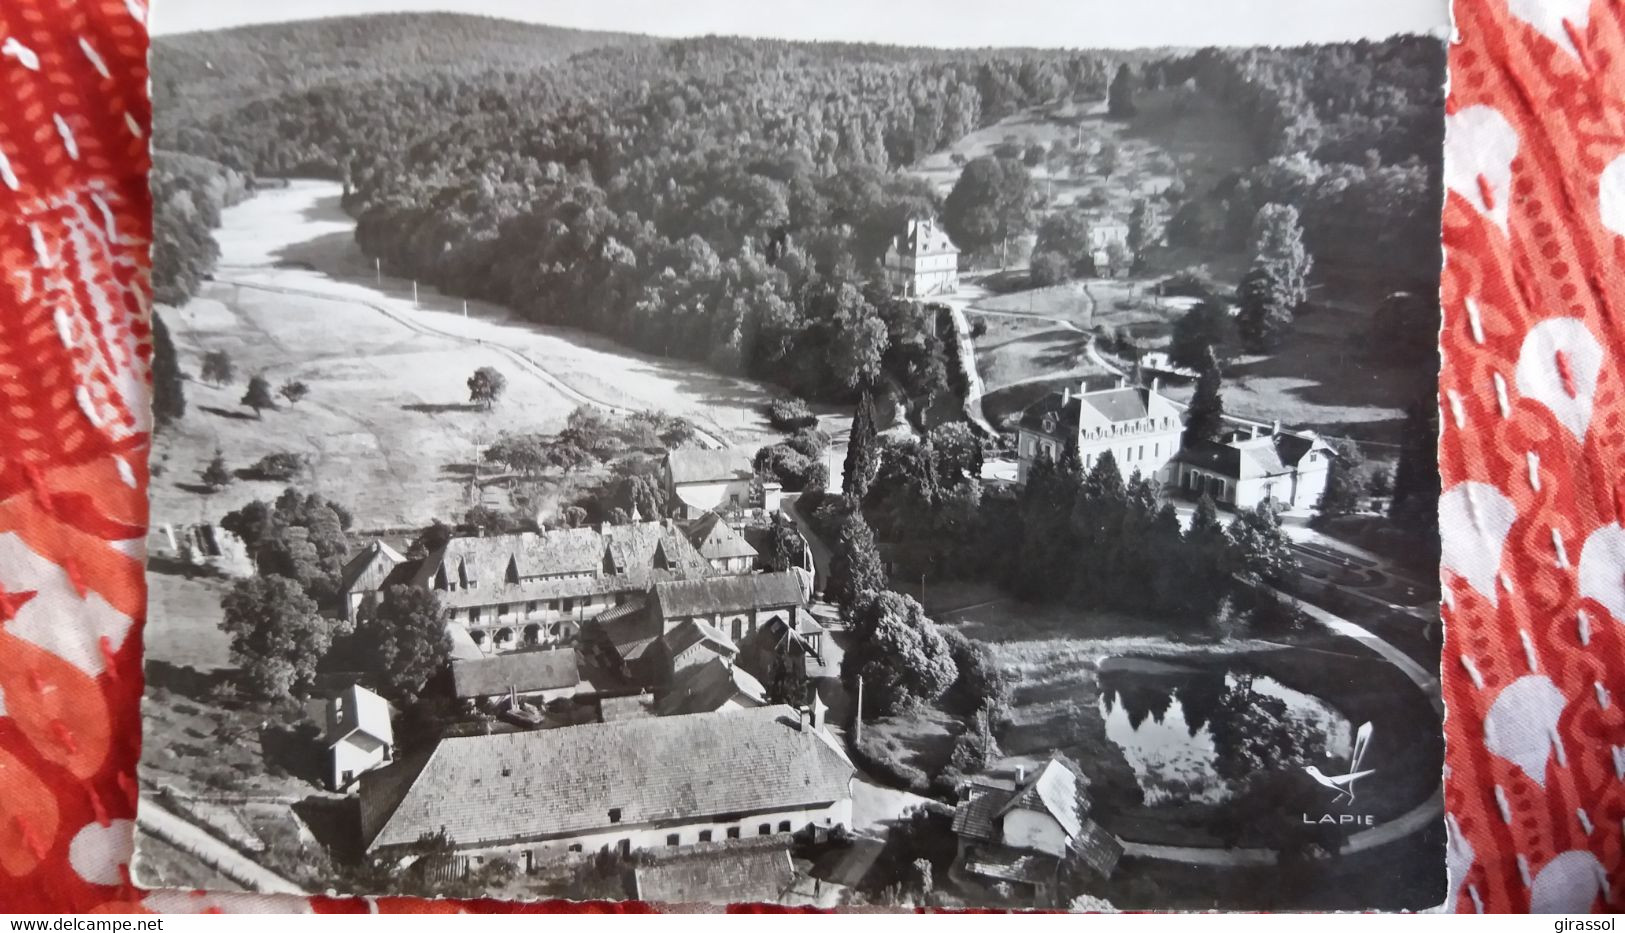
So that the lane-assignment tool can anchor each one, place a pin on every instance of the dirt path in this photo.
(211, 851)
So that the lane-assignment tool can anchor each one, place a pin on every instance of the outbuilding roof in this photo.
(523, 671)
(715, 539)
(725, 594)
(700, 465)
(555, 783)
(729, 872)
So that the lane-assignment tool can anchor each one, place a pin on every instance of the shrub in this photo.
(879, 760)
(278, 467)
(790, 414)
(1192, 282)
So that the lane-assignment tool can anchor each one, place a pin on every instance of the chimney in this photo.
(1254, 429)
(1277, 427)
(1066, 396)
(1021, 774)
(816, 707)
(1156, 383)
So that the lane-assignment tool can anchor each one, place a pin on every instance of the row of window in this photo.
(567, 604)
(1131, 455)
(705, 835)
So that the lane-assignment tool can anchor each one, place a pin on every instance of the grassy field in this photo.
(387, 426)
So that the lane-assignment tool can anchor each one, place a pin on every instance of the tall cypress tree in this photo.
(862, 452)
(1204, 420)
(1416, 478)
(168, 392)
(855, 572)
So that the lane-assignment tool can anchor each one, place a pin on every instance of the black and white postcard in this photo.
(840, 455)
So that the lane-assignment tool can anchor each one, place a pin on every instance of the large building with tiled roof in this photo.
(545, 674)
(1019, 832)
(1137, 424)
(535, 589)
(722, 546)
(922, 261)
(656, 783)
(1250, 465)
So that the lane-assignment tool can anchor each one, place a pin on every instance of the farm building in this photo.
(542, 675)
(714, 686)
(745, 871)
(922, 261)
(723, 547)
(723, 481)
(657, 783)
(359, 735)
(1018, 832)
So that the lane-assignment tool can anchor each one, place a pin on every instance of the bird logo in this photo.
(1343, 784)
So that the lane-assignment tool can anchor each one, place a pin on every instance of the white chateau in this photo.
(1248, 464)
(922, 261)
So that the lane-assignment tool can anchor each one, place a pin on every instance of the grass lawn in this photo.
(196, 746)
(183, 620)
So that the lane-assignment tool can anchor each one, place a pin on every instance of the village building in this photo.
(687, 622)
(722, 481)
(535, 589)
(758, 871)
(735, 605)
(1020, 832)
(544, 675)
(922, 261)
(1248, 466)
(723, 547)
(660, 783)
(359, 735)
(799, 639)
(1138, 425)
(712, 687)
(369, 570)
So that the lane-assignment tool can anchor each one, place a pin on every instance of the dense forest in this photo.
(648, 192)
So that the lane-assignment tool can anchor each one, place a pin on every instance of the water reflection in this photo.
(1165, 716)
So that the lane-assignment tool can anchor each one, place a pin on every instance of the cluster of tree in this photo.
(797, 462)
(1277, 283)
(651, 195)
(282, 620)
(925, 499)
(188, 194)
(904, 658)
(1091, 538)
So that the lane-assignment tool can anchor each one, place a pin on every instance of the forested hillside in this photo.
(201, 74)
(727, 200)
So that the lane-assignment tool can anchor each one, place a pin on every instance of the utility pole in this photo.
(378, 271)
(465, 309)
(414, 293)
(857, 715)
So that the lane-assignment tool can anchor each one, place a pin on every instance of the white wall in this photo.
(688, 833)
(714, 497)
(1029, 829)
(355, 753)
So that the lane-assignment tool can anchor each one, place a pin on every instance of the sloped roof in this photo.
(357, 709)
(720, 594)
(715, 539)
(1052, 789)
(635, 552)
(924, 238)
(630, 635)
(557, 782)
(1098, 848)
(524, 671)
(733, 872)
(375, 554)
(992, 860)
(706, 688)
(1096, 408)
(700, 465)
(975, 815)
(1242, 456)
(692, 632)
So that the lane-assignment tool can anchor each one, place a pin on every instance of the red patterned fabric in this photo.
(1531, 440)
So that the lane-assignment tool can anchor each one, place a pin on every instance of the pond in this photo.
(1185, 726)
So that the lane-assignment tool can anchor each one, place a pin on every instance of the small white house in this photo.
(359, 735)
(700, 481)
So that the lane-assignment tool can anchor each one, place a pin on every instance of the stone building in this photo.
(922, 261)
